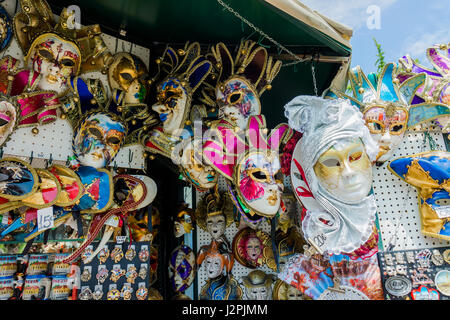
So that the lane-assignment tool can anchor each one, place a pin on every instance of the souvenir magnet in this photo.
(442, 282)
(398, 286)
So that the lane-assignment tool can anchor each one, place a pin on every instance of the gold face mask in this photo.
(345, 171)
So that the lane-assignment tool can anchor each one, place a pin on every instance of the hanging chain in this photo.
(262, 33)
(313, 72)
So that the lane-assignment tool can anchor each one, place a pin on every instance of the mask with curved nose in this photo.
(259, 184)
(56, 60)
(98, 139)
(237, 102)
(345, 171)
(387, 126)
(171, 106)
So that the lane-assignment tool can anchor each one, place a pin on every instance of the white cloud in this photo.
(351, 13)
(416, 45)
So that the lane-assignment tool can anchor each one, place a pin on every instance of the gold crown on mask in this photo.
(36, 20)
(251, 62)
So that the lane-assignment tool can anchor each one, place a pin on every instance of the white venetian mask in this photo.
(215, 225)
(213, 266)
(55, 59)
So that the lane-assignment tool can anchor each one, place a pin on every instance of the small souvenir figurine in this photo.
(429, 172)
(214, 213)
(432, 99)
(220, 284)
(185, 221)
(385, 106)
(250, 163)
(258, 285)
(331, 173)
(238, 82)
(182, 268)
(253, 248)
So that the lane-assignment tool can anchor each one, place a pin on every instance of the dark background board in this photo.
(410, 269)
(155, 23)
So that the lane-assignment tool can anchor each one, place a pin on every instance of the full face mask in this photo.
(251, 165)
(331, 173)
(216, 259)
(385, 105)
(9, 118)
(97, 139)
(253, 249)
(258, 285)
(182, 268)
(239, 81)
(6, 29)
(429, 173)
(127, 76)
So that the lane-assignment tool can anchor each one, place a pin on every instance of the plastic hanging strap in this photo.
(77, 217)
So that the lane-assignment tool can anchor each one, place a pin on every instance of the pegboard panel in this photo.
(55, 139)
(398, 210)
(204, 238)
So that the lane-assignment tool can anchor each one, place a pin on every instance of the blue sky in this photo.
(406, 27)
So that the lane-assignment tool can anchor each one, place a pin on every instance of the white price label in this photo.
(5, 218)
(113, 221)
(443, 211)
(45, 218)
(121, 239)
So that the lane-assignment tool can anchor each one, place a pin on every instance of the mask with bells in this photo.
(258, 285)
(57, 51)
(236, 84)
(250, 164)
(331, 173)
(386, 106)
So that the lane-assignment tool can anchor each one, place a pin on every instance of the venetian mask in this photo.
(253, 248)
(184, 222)
(216, 259)
(259, 183)
(429, 172)
(8, 119)
(241, 80)
(387, 126)
(182, 268)
(258, 285)
(128, 74)
(201, 175)
(97, 140)
(55, 59)
(345, 171)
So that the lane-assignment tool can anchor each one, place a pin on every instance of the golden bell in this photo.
(158, 61)
(35, 131)
(213, 76)
(181, 52)
(218, 65)
(213, 110)
(188, 122)
(93, 62)
(76, 99)
(24, 30)
(133, 122)
(64, 25)
(183, 83)
(152, 157)
(26, 8)
(120, 109)
(149, 82)
(93, 101)
(241, 70)
(63, 116)
(361, 90)
(269, 87)
(10, 78)
(243, 52)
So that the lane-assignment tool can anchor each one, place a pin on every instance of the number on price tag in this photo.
(45, 218)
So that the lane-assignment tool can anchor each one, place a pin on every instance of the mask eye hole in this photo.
(375, 127)
(126, 76)
(355, 156)
(331, 163)
(95, 132)
(397, 128)
(67, 63)
(259, 175)
(113, 140)
(172, 103)
(3, 122)
(46, 54)
(235, 98)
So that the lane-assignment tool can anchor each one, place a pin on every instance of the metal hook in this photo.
(1, 152)
(49, 161)
(117, 43)
(130, 156)
(131, 47)
(31, 157)
(115, 166)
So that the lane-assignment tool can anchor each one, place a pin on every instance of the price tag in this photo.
(113, 221)
(45, 218)
(443, 212)
(5, 218)
(121, 239)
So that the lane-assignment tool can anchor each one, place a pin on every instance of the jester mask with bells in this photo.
(237, 83)
(57, 51)
(216, 259)
(433, 96)
(331, 173)
(429, 172)
(385, 106)
(249, 161)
